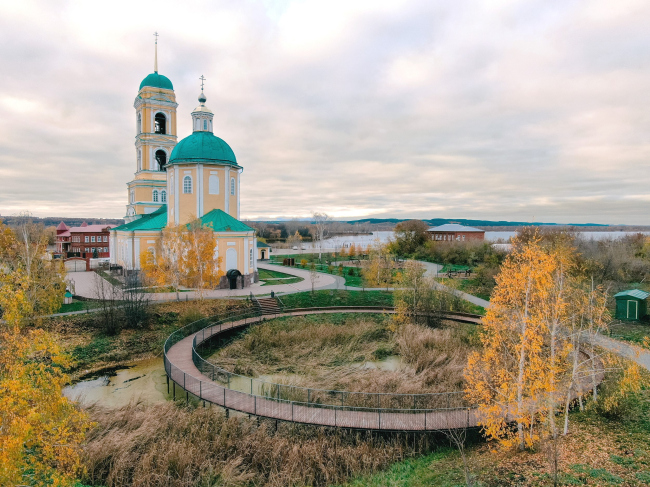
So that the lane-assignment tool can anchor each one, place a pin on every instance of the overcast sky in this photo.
(536, 110)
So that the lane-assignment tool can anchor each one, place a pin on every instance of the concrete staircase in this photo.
(268, 306)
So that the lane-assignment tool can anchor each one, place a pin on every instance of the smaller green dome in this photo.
(203, 147)
(156, 80)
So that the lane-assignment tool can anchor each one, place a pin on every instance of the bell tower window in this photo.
(160, 124)
(163, 196)
(161, 160)
(155, 196)
(139, 124)
(139, 160)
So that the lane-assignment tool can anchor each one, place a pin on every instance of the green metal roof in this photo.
(262, 244)
(156, 80)
(633, 293)
(203, 147)
(220, 221)
(153, 221)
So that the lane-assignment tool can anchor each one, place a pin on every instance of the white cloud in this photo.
(414, 108)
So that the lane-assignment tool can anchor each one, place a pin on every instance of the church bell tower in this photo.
(156, 136)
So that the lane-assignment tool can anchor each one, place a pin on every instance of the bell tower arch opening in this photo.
(160, 123)
(161, 160)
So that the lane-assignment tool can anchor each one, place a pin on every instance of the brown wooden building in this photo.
(453, 232)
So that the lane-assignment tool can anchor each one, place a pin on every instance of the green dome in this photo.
(156, 80)
(203, 147)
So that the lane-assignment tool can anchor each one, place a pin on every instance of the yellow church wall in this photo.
(187, 209)
(234, 241)
(213, 201)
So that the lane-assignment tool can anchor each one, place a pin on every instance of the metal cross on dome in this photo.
(156, 36)
(202, 78)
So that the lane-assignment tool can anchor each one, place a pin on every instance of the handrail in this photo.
(308, 395)
(383, 411)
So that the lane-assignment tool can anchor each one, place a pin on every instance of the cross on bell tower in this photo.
(202, 78)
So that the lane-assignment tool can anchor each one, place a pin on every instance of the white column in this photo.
(238, 187)
(227, 192)
(136, 255)
(199, 190)
(246, 256)
(177, 197)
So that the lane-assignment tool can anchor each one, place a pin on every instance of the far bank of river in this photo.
(384, 236)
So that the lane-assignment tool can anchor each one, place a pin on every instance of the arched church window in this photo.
(187, 185)
(205, 125)
(232, 186)
(213, 184)
(251, 259)
(155, 196)
(138, 127)
(163, 196)
(132, 196)
(139, 160)
(160, 124)
(161, 160)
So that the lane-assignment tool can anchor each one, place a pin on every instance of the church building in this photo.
(176, 183)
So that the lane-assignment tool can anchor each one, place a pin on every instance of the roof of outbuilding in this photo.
(153, 221)
(220, 221)
(262, 244)
(454, 227)
(632, 293)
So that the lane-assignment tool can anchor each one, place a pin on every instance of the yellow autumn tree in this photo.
(509, 378)
(377, 271)
(353, 250)
(162, 267)
(40, 430)
(183, 256)
(198, 262)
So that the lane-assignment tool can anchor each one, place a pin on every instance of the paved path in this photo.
(180, 367)
(85, 285)
(626, 350)
(182, 370)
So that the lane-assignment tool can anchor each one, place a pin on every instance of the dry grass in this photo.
(326, 352)
(167, 445)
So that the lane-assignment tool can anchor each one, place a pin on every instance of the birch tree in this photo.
(319, 229)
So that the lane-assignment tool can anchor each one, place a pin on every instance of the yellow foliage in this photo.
(515, 377)
(40, 430)
(184, 256)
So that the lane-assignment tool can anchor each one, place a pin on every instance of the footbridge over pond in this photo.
(186, 367)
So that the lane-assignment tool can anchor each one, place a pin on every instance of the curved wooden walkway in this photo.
(181, 369)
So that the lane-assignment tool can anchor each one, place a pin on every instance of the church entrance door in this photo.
(233, 276)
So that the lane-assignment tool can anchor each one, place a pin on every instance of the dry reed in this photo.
(168, 445)
(323, 353)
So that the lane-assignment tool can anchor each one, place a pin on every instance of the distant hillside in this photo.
(70, 221)
(474, 223)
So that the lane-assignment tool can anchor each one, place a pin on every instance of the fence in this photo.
(385, 411)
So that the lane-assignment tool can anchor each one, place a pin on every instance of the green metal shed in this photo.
(631, 305)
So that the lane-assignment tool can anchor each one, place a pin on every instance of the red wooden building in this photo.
(83, 241)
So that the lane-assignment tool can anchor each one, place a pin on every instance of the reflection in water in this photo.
(117, 386)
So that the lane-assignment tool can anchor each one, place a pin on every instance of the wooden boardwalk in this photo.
(181, 368)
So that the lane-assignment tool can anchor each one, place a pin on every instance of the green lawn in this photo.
(275, 277)
(338, 298)
(78, 306)
(418, 472)
(630, 331)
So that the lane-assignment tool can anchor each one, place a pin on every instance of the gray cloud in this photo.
(521, 110)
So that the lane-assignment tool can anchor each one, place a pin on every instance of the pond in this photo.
(115, 387)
